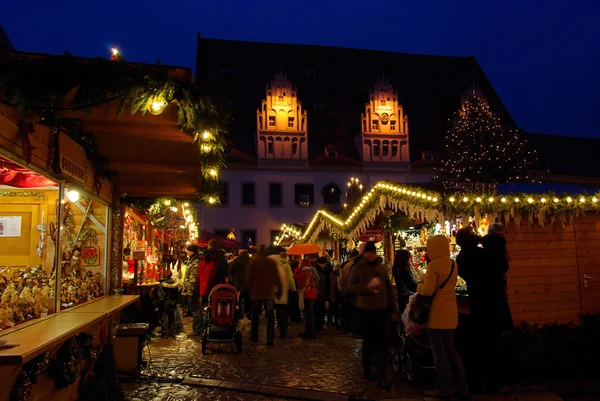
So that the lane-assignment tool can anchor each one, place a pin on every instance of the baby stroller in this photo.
(222, 316)
(411, 353)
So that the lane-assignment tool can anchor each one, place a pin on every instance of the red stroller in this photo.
(222, 316)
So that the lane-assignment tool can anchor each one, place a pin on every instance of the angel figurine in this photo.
(41, 244)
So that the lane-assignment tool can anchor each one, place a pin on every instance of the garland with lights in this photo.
(432, 205)
(50, 85)
(480, 150)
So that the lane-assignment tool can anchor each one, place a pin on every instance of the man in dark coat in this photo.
(222, 267)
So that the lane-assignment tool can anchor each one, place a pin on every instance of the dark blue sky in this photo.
(542, 56)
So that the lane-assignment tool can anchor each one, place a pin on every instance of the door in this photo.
(587, 234)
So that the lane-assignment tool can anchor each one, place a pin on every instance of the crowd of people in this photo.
(357, 297)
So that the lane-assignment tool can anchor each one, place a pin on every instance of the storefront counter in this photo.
(95, 319)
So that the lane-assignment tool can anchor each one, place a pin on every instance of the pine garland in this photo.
(54, 84)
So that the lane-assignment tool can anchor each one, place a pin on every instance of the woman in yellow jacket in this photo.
(443, 319)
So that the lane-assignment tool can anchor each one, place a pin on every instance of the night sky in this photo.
(542, 56)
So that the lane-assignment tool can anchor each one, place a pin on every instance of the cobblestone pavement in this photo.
(329, 364)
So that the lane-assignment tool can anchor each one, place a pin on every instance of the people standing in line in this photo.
(167, 294)
(348, 299)
(406, 285)
(289, 285)
(294, 307)
(306, 277)
(238, 277)
(369, 282)
(493, 310)
(443, 319)
(264, 282)
(191, 287)
(319, 265)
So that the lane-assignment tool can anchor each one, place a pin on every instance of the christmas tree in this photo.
(480, 150)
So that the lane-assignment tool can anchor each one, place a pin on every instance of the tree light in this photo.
(212, 172)
(491, 200)
(206, 135)
(465, 199)
(211, 200)
(543, 200)
(478, 199)
(569, 199)
(556, 200)
(167, 202)
(594, 199)
(503, 200)
(115, 51)
(582, 200)
(517, 200)
(73, 196)
(451, 199)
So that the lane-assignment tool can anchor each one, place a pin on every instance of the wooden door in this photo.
(587, 233)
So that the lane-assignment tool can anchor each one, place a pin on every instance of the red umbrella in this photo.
(303, 249)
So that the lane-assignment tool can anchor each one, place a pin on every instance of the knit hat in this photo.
(370, 247)
(193, 248)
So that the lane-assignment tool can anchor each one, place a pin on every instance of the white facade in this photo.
(283, 162)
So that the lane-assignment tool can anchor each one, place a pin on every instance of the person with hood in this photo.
(264, 282)
(492, 311)
(307, 279)
(238, 271)
(406, 285)
(191, 287)
(166, 301)
(370, 283)
(289, 285)
(443, 319)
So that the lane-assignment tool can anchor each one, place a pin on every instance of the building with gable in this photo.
(308, 118)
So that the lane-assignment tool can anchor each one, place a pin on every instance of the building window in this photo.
(376, 149)
(221, 233)
(249, 237)
(331, 194)
(270, 146)
(225, 69)
(294, 148)
(394, 150)
(382, 102)
(290, 122)
(376, 124)
(275, 194)
(224, 193)
(386, 150)
(304, 195)
(271, 121)
(393, 125)
(248, 198)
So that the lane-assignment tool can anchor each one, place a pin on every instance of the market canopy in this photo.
(535, 201)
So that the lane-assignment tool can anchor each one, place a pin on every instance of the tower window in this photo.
(382, 102)
(294, 148)
(394, 150)
(290, 122)
(376, 149)
(270, 147)
(386, 150)
(375, 124)
(271, 121)
(304, 195)
(392, 125)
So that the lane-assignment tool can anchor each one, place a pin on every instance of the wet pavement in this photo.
(328, 368)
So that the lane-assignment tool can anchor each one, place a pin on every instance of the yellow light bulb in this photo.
(530, 200)
(594, 199)
(206, 135)
(556, 200)
(434, 199)
(465, 199)
(451, 199)
(213, 172)
(543, 200)
(211, 200)
(115, 51)
(569, 199)
(205, 148)
(478, 199)
(517, 200)
(186, 204)
(582, 200)
(490, 200)
(167, 202)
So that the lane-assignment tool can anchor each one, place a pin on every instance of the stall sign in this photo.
(138, 255)
(375, 234)
(10, 226)
(73, 161)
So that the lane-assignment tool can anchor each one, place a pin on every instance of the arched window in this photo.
(294, 146)
(331, 194)
(270, 146)
(376, 148)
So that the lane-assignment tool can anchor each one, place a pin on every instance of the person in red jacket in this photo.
(307, 288)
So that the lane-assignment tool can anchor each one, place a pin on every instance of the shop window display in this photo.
(83, 253)
(28, 221)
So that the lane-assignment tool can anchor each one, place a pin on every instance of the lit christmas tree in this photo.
(480, 150)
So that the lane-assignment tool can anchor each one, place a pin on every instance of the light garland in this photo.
(470, 205)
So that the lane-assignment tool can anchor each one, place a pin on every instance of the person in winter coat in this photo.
(166, 301)
(289, 285)
(348, 319)
(443, 318)
(321, 268)
(336, 299)
(370, 283)
(406, 285)
(238, 269)
(307, 280)
(265, 283)
(221, 264)
(191, 287)
(293, 305)
(492, 316)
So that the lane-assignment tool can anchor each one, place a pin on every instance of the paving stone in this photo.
(240, 386)
(199, 381)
